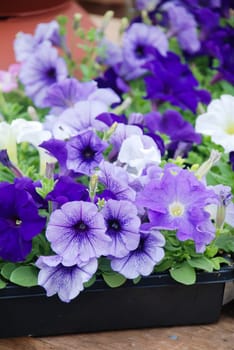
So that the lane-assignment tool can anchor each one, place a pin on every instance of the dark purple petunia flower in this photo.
(77, 232)
(27, 184)
(171, 81)
(172, 124)
(231, 159)
(178, 202)
(111, 79)
(122, 226)
(57, 148)
(67, 190)
(84, 152)
(141, 261)
(19, 222)
(41, 70)
(65, 281)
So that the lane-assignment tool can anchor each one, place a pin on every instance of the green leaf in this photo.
(136, 280)
(90, 282)
(25, 276)
(2, 284)
(113, 279)
(225, 242)
(165, 265)
(219, 260)
(183, 273)
(202, 263)
(104, 265)
(7, 269)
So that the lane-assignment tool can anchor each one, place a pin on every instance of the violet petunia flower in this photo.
(84, 152)
(77, 232)
(65, 281)
(122, 226)
(141, 261)
(136, 41)
(19, 222)
(178, 202)
(116, 181)
(42, 69)
(79, 118)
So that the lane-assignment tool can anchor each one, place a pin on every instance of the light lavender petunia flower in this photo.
(65, 281)
(183, 26)
(122, 225)
(141, 261)
(77, 232)
(116, 181)
(40, 71)
(26, 44)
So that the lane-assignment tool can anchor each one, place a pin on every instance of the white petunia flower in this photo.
(137, 152)
(218, 122)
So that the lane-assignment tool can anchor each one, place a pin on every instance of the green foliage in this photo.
(25, 276)
(47, 186)
(183, 273)
(113, 279)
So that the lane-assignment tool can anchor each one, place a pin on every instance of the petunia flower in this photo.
(122, 226)
(218, 122)
(136, 41)
(42, 69)
(138, 151)
(77, 232)
(26, 44)
(19, 222)
(141, 261)
(8, 79)
(178, 202)
(84, 152)
(65, 281)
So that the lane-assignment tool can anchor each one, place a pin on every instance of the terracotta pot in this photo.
(27, 14)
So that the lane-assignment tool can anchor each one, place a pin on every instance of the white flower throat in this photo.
(176, 209)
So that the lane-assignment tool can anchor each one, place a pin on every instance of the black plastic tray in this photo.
(155, 301)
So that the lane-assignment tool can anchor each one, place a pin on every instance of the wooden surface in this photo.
(207, 337)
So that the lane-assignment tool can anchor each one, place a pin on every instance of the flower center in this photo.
(139, 51)
(88, 153)
(18, 222)
(176, 209)
(230, 129)
(114, 225)
(80, 227)
(51, 74)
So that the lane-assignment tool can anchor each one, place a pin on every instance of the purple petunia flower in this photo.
(171, 81)
(26, 44)
(42, 69)
(122, 225)
(19, 222)
(79, 118)
(141, 261)
(116, 182)
(65, 281)
(67, 190)
(84, 152)
(136, 42)
(77, 232)
(178, 202)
